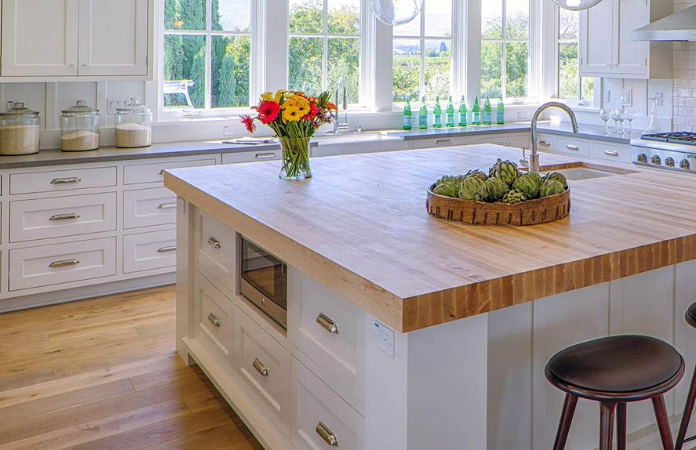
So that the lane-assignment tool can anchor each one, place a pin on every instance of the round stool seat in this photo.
(691, 315)
(616, 365)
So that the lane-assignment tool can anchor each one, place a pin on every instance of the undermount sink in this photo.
(583, 173)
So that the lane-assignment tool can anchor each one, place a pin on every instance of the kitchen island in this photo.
(442, 329)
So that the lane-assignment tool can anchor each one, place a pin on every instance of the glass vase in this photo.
(295, 158)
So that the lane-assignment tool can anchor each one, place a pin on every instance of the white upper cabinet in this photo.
(79, 39)
(39, 37)
(113, 37)
(606, 48)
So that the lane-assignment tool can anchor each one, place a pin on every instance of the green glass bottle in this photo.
(437, 114)
(487, 112)
(450, 113)
(476, 112)
(423, 115)
(500, 113)
(463, 113)
(408, 116)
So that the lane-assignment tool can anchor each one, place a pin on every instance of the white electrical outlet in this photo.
(384, 338)
(607, 96)
(113, 103)
(660, 99)
(627, 97)
(228, 130)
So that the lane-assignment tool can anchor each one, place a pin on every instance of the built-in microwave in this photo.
(264, 281)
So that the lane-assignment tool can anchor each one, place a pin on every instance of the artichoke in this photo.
(536, 177)
(473, 188)
(505, 170)
(528, 184)
(514, 196)
(448, 189)
(477, 173)
(447, 179)
(556, 176)
(497, 188)
(551, 187)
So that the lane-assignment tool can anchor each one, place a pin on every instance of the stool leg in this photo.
(621, 426)
(686, 416)
(606, 424)
(663, 422)
(566, 418)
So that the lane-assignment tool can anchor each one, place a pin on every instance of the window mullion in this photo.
(208, 53)
(422, 53)
(503, 66)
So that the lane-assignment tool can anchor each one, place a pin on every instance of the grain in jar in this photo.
(20, 130)
(133, 125)
(79, 128)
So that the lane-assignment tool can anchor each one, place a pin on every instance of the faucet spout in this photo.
(534, 157)
(341, 99)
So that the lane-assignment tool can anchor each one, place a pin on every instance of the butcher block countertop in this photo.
(360, 227)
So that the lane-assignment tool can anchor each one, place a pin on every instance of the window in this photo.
(207, 54)
(570, 85)
(505, 45)
(325, 46)
(422, 49)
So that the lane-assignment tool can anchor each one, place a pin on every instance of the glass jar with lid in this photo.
(133, 125)
(79, 128)
(20, 130)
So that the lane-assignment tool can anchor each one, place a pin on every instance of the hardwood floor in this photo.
(102, 374)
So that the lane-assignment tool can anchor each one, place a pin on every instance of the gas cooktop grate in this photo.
(679, 137)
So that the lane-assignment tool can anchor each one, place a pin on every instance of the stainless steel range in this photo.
(670, 151)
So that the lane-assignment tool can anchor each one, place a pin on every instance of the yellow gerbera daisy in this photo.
(267, 96)
(291, 114)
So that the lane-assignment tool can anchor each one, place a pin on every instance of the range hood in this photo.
(680, 26)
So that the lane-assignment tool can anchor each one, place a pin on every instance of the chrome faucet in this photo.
(341, 89)
(534, 157)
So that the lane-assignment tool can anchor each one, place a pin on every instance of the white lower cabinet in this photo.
(64, 216)
(148, 207)
(216, 250)
(62, 263)
(506, 140)
(149, 251)
(442, 142)
(213, 321)
(321, 420)
(263, 366)
(245, 157)
(611, 152)
(572, 146)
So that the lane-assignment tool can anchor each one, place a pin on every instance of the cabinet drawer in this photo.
(610, 152)
(213, 318)
(62, 180)
(62, 263)
(515, 141)
(328, 330)
(263, 365)
(441, 142)
(148, 207)
(572, 147)
(546, 143)
(65, 216)
(320, 416)
(216, 251)
(153, 173)
(244, 157)
(148, 251)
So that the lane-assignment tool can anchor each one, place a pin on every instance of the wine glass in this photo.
(629, 116)
(615, 116)
(604, 117)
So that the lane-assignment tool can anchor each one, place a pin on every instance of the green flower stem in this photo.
(295, 158)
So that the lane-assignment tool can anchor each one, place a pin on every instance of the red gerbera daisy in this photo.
(249, 123)
(268, 112)
(313, 110)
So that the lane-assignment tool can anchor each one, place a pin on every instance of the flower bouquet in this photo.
(294, 117)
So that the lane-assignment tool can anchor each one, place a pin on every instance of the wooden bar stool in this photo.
(690, 317)
(614, 371)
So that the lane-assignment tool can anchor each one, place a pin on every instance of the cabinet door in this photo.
(596, 40)
(113, 37)
(630, 57)
(39, 37)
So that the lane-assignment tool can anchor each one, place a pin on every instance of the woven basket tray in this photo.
(532, 212)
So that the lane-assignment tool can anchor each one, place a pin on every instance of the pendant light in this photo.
(396, 12)
(576, 5)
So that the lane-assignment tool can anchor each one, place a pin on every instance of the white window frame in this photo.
(255, 63)
(456, 39)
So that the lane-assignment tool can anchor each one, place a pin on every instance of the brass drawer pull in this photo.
(214, 243)
(611, 153)
(167, 205)
(71, 180)
(69, 216)
(327, 435)
(572, 147)
(170, 248)
(265, 155)
(64, 263)
(260, 367)
(327, 324)
(505, 144)
(545, 143)
(443, 141)
(161, 172)
(212, 318)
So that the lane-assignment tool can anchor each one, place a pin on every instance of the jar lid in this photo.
(133, 106)
(80, 109)
(17, 109)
